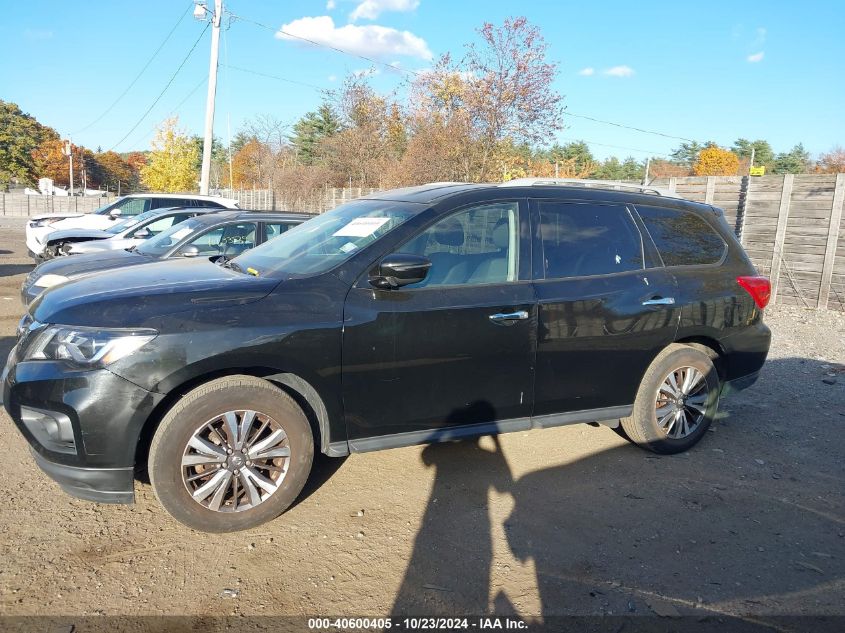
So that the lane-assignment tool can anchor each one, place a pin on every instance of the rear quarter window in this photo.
(682, 238)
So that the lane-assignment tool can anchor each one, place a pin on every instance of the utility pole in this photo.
(212, 92)
(647, 167)
(68, 151)
(751, 164)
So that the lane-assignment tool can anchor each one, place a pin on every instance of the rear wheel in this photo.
(230, 455)
(677, 400)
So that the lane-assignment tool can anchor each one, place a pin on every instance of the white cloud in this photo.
(756, 57)
(371, 9)
(371, 40)
(619, 71)
(330, 5)
(589, 71)
(332, 77)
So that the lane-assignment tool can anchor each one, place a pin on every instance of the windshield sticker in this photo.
(361, 227)
(348, 247)
(178, 235)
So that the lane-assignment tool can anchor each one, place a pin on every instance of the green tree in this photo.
(795, 161)
(687, 153)
(171, 165)
(610, 169)
(577, 151)
(763, 153)
(310, 131)
(20, 136)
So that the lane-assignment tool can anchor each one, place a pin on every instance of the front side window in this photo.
(681, 237)
(474, 246)
(588, 239)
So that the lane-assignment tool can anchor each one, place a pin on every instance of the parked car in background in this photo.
(39, 226)
(212, 235)
(126, 233)
(411, 316)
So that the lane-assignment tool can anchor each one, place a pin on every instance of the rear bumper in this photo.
(103, 485)
(738, 384)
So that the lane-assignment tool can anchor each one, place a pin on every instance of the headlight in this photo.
(48, 281)
(44, 222)
(89, 347)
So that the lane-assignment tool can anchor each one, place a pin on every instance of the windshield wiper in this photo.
(230, 264)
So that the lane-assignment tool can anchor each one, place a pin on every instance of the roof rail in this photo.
(591, 184)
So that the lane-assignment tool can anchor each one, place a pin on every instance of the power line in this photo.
(630, 149)
(260, 74)
(173, 110)
(627, 127)
(138, 76)
(161, 94)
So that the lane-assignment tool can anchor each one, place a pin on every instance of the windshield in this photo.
(105, 208)
(328, 240)
(121, 226)
(161, 244)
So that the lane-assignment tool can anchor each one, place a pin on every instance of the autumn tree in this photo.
(832, 162)
(248, 164)
(715, 161)
(661, 168)
(49, 161)
(20, 136)
(576, 155)
(115, 171)
(171, 165)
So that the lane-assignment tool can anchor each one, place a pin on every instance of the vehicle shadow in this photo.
(626, 531)
(6, 345)
(10, 270)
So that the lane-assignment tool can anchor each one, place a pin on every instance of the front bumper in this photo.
(34, 238)
(105, 413)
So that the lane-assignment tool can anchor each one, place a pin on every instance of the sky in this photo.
(717, 72)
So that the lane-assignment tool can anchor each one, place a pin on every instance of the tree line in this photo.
(492, 114)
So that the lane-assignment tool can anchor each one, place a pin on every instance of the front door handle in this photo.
(507, 318)
(659, 301)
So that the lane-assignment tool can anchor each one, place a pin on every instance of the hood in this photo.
(75, 265)
(130, 297)
(88, 234)
(57, 216)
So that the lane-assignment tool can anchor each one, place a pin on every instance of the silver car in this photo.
(124, 234)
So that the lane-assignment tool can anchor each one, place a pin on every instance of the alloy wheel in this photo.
(681, 402)
(236, 461)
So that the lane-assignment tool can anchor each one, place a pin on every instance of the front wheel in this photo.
(677, 400)
(230, 455)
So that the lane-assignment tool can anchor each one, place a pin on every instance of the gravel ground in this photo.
(573, 520)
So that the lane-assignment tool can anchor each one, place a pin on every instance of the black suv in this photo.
(415, 315)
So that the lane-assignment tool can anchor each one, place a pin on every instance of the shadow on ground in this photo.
(633, 532)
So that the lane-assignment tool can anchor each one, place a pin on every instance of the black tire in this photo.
(193, 411)
(642, 427)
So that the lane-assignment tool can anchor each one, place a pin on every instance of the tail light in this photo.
(758, 287)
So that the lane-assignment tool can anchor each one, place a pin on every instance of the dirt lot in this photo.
(573, 520)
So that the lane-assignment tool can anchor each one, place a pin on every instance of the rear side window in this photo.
(274, 229)
(588, 239)
(683, 238)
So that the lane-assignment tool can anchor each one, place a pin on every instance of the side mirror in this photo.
(141, 234)
(399, 269)
(189, 251)
(115, 213)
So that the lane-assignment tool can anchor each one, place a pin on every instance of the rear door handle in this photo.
(659, 301)
(507, 318)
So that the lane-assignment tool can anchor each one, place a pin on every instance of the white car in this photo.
(40, 226)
